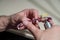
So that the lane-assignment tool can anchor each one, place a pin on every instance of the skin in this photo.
(7, 22)
(11, 22)
(48, 34)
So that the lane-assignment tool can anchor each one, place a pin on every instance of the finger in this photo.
(20, 26)
(31, 12)
(36, 32)
(37, 26)
(35, 13)
(51, 21)
(36, 22)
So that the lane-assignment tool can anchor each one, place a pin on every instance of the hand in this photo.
(48, 34)
(18, 18)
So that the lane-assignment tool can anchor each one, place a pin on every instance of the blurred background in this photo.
(44, 7)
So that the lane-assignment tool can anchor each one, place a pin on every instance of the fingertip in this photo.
(51, 21)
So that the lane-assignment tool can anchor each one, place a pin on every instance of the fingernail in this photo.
(19, 25)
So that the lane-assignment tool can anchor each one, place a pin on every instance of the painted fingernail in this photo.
(19, 25)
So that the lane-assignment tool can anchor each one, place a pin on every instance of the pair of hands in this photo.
(29, 14)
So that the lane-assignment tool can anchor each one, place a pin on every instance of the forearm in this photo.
(4, 21)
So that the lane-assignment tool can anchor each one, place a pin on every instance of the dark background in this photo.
(10, 36)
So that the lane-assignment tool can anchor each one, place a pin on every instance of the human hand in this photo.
(48, 34)
(18, 18)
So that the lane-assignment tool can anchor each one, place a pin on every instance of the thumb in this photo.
(35, 31)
